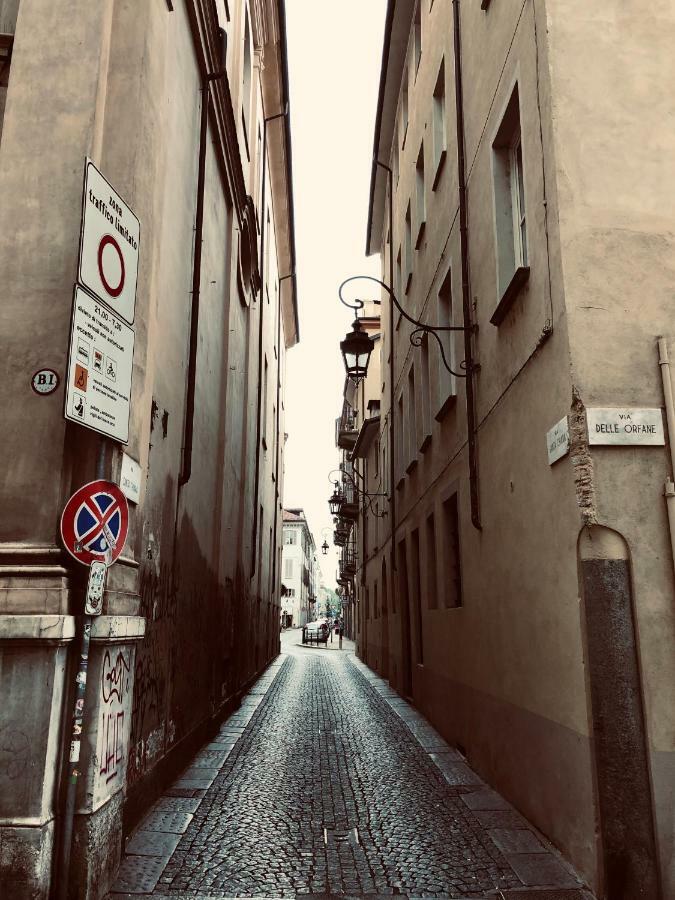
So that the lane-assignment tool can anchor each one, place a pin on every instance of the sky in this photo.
(334, 55)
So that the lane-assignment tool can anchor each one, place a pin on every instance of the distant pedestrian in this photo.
(340, 630)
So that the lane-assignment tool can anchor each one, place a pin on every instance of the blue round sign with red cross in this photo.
(95, 522)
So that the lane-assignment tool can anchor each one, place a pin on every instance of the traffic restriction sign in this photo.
(95, 522)
(109, 243)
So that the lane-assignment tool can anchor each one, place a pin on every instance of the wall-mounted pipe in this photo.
(466, 293)
(263, 285)
(277, 492)
(669, 487)
(189, 423)
(392, 442)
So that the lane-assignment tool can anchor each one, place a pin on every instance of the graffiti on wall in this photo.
(115, 691)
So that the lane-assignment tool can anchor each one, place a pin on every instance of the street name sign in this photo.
(558, 441)
(625, 426)
(100, 364)
(95, 523)
(108, 245)
(130, 478)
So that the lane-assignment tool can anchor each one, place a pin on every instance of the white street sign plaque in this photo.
(558, 441)
(130, 478)
(620, 426)
(100, 362)
(108, 245)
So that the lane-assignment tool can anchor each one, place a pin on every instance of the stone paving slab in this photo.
(326, 783)
(152, 843)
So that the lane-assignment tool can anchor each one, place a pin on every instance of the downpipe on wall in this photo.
(466, 293)
(669, 487)
(263, 285)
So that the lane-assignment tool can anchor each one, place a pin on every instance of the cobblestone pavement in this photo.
(327, 782)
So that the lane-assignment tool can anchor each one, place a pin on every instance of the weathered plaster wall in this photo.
(125, 88)
(614, 139)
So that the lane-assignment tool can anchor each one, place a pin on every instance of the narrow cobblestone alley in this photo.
(326, 782)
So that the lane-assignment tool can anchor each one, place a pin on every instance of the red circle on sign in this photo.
(111, 289)
(94, 521)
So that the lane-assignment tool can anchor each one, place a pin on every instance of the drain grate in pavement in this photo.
(333, 838)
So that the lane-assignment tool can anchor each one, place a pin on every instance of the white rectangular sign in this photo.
(130, 478)
(100, 362)
(108, 245)
(558, 441)
(625, 426)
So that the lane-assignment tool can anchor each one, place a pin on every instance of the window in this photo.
(290, 538)
(417, 37)
(375, 611)
(510, 209)
(407, 255)
(288, 568)
(421, 206)
(438, 128)
(411, 424)
(417, 595)
(404, 106)
(432, 576)
(6, 41)
(447, 388)
(264, 404)
(399, 282)
(424, 397)
(453, 596)
(399, 440)
(384, 588)
(394, 166)
(290, 592)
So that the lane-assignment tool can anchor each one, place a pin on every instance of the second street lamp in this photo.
(335, 500)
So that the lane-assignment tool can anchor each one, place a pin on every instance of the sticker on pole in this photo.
(108, 245)
(95, 522)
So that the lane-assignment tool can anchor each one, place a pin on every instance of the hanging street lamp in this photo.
(356, 349)
(335, 500)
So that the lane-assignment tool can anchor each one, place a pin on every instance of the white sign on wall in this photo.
(130, 478)
(558, 441)
(620, 426)
(108, 245)
(100, 362)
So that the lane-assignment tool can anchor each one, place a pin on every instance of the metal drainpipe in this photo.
(263, 228)
(669, 487)
(188, 426)
(466, 294)
(74, 735)
(392, 468)
(278, 434)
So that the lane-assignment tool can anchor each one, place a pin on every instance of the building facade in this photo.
(520, 587)
(182, 106)
(300, 571)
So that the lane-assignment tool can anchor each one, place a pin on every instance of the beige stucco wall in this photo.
(617, 248)
(504, 676)
(125, 88)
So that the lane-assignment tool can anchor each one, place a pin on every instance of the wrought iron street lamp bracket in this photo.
(421, 328)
